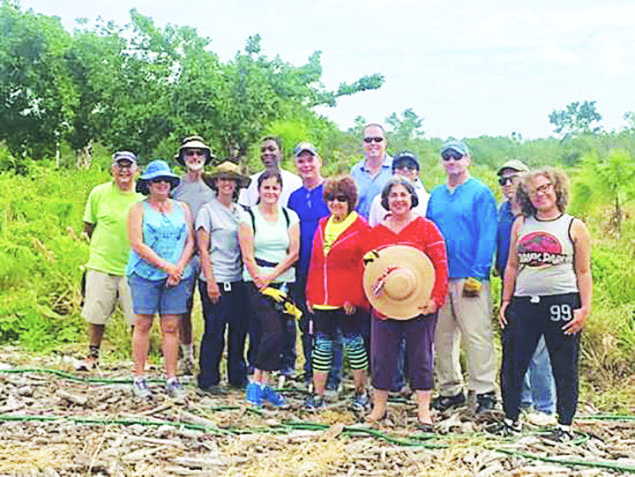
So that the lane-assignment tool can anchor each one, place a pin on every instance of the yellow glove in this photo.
(283, 305)
(471, 287)
(274, 293)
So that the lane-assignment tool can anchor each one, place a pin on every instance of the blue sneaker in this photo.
(360, 402)
(254, 394)
(276, 399)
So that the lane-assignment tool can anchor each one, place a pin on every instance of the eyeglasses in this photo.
(543, 189)
(451, 154)
(194, 152)
(338, 198)
(505, 180)
(377, 139)
(158, 180)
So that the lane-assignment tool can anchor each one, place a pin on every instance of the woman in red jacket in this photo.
(334, 290)
(403, 227)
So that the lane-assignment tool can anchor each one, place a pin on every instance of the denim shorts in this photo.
(154, 296)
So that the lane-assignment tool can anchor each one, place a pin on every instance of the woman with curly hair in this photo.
(546, 291)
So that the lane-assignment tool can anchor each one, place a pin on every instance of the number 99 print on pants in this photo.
(529, 318)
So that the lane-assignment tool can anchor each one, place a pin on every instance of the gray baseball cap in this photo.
(514, 165)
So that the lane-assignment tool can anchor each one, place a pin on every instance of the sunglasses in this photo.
(194, 152)
(451, 154)
(507, 180)
(368, 140)
(338, 198)
(158, 180)
(409, 167)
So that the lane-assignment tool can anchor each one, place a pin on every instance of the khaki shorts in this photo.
(102, 292)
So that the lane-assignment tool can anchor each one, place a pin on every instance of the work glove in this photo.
(282, 303)
(471, 287)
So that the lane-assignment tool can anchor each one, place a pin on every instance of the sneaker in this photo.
(254, 394)
(140, 389)
(485, 402)
(444, 403)
(360, 402)
(313, 403)
(540, 419)
(274, 398)
(174, 389)
(188, 366)
(562, 434)
(507, 428)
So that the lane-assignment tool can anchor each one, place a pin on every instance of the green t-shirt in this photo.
(107, 209)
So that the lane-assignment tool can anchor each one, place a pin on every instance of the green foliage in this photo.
(35, 89)
(404, 129)
(606, 180)
(144, 88)
(41, 254)
(576, 119)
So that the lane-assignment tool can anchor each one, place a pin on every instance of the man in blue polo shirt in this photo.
(464, 209)
(373, 172)
(308, 203)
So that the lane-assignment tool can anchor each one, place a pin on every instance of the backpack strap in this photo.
(253, 219)
(285, 212)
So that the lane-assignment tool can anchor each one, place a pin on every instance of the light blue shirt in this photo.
(369, 186)
(467, 219)
(271, 241)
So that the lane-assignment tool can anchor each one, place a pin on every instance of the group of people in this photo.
(369, 262)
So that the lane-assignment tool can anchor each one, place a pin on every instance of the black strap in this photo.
(285, 212)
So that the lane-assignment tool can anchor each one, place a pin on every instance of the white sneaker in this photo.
(140, 389)
(540, 419)
(175, 390)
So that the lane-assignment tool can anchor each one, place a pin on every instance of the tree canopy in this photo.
(143, 87)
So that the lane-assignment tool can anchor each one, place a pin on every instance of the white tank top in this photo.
(545, 258)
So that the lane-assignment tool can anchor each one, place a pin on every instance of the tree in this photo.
(404, 129)
(576, 119)
(609, 179)
(36, 92)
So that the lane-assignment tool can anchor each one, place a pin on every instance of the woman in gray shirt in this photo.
(221, 287)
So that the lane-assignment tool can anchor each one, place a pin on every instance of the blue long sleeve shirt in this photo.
(467, 219)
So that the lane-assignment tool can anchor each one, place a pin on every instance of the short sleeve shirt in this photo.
(194, 194)
(107, 210)
(368, 185)
(310, 206)
(271, 241)
(221, 223)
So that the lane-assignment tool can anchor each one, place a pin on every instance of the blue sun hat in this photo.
(156, 169)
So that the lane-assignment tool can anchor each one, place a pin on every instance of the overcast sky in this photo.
(468, 68)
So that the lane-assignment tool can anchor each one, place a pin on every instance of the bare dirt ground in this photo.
(54, 421)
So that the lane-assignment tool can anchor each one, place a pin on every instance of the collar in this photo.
(385, 164)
